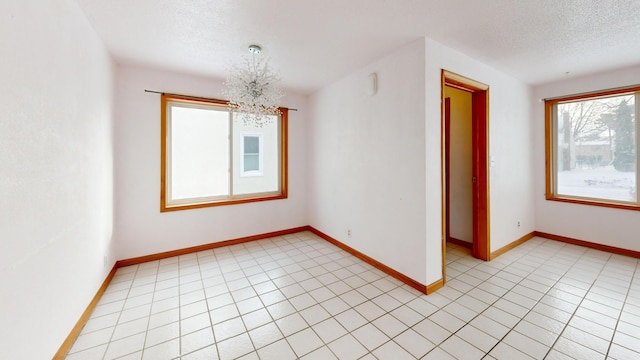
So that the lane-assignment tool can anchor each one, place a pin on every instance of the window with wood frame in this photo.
(211, 157)
(591, 148)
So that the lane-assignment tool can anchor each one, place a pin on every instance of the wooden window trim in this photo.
(550, 192)
(284, 134)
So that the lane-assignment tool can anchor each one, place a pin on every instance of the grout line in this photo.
(206, 304)
(180, 308)
(150, 308)
(252, 286)
(577, 307)
(120, 314)
(624, 303)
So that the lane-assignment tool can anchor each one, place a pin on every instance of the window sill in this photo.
(602, 203)
(245, 200)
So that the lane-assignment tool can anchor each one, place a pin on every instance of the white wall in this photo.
(613, 227)
(511, 178)
(366, 161)
(140, 227)
(56, 173)
(375, 162)
(460, 165)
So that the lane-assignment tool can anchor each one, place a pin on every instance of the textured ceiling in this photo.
(313, 43)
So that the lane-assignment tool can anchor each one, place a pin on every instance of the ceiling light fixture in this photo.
(252, 89)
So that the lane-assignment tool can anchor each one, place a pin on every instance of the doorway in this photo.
(479, 162)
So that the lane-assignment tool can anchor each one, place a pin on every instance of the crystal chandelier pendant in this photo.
(252, 89)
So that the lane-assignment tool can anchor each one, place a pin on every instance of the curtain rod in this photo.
(197, 97)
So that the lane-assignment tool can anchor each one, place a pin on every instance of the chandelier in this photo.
(252, 89)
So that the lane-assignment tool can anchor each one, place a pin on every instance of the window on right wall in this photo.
(591, 148)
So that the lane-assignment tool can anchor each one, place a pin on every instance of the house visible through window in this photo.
(211, 158)
(592, 146)
(252, 155)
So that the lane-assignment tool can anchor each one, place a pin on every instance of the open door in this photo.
(480, 162)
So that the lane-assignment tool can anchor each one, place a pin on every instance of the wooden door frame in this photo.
(447, 169)
(480, 167)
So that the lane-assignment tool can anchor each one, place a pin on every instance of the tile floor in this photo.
(298, 296)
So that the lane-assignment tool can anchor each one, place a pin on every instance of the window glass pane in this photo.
(268, 179)
(251, 162)
(595, 153)
(251, 144)
(199, 164)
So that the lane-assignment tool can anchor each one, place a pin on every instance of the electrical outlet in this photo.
(518, 223)
(349, 233)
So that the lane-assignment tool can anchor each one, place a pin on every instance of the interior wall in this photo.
(366, 161)
(140, 227)
(57, 174)
(511, 175)
(613, 227)
(460, 165)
